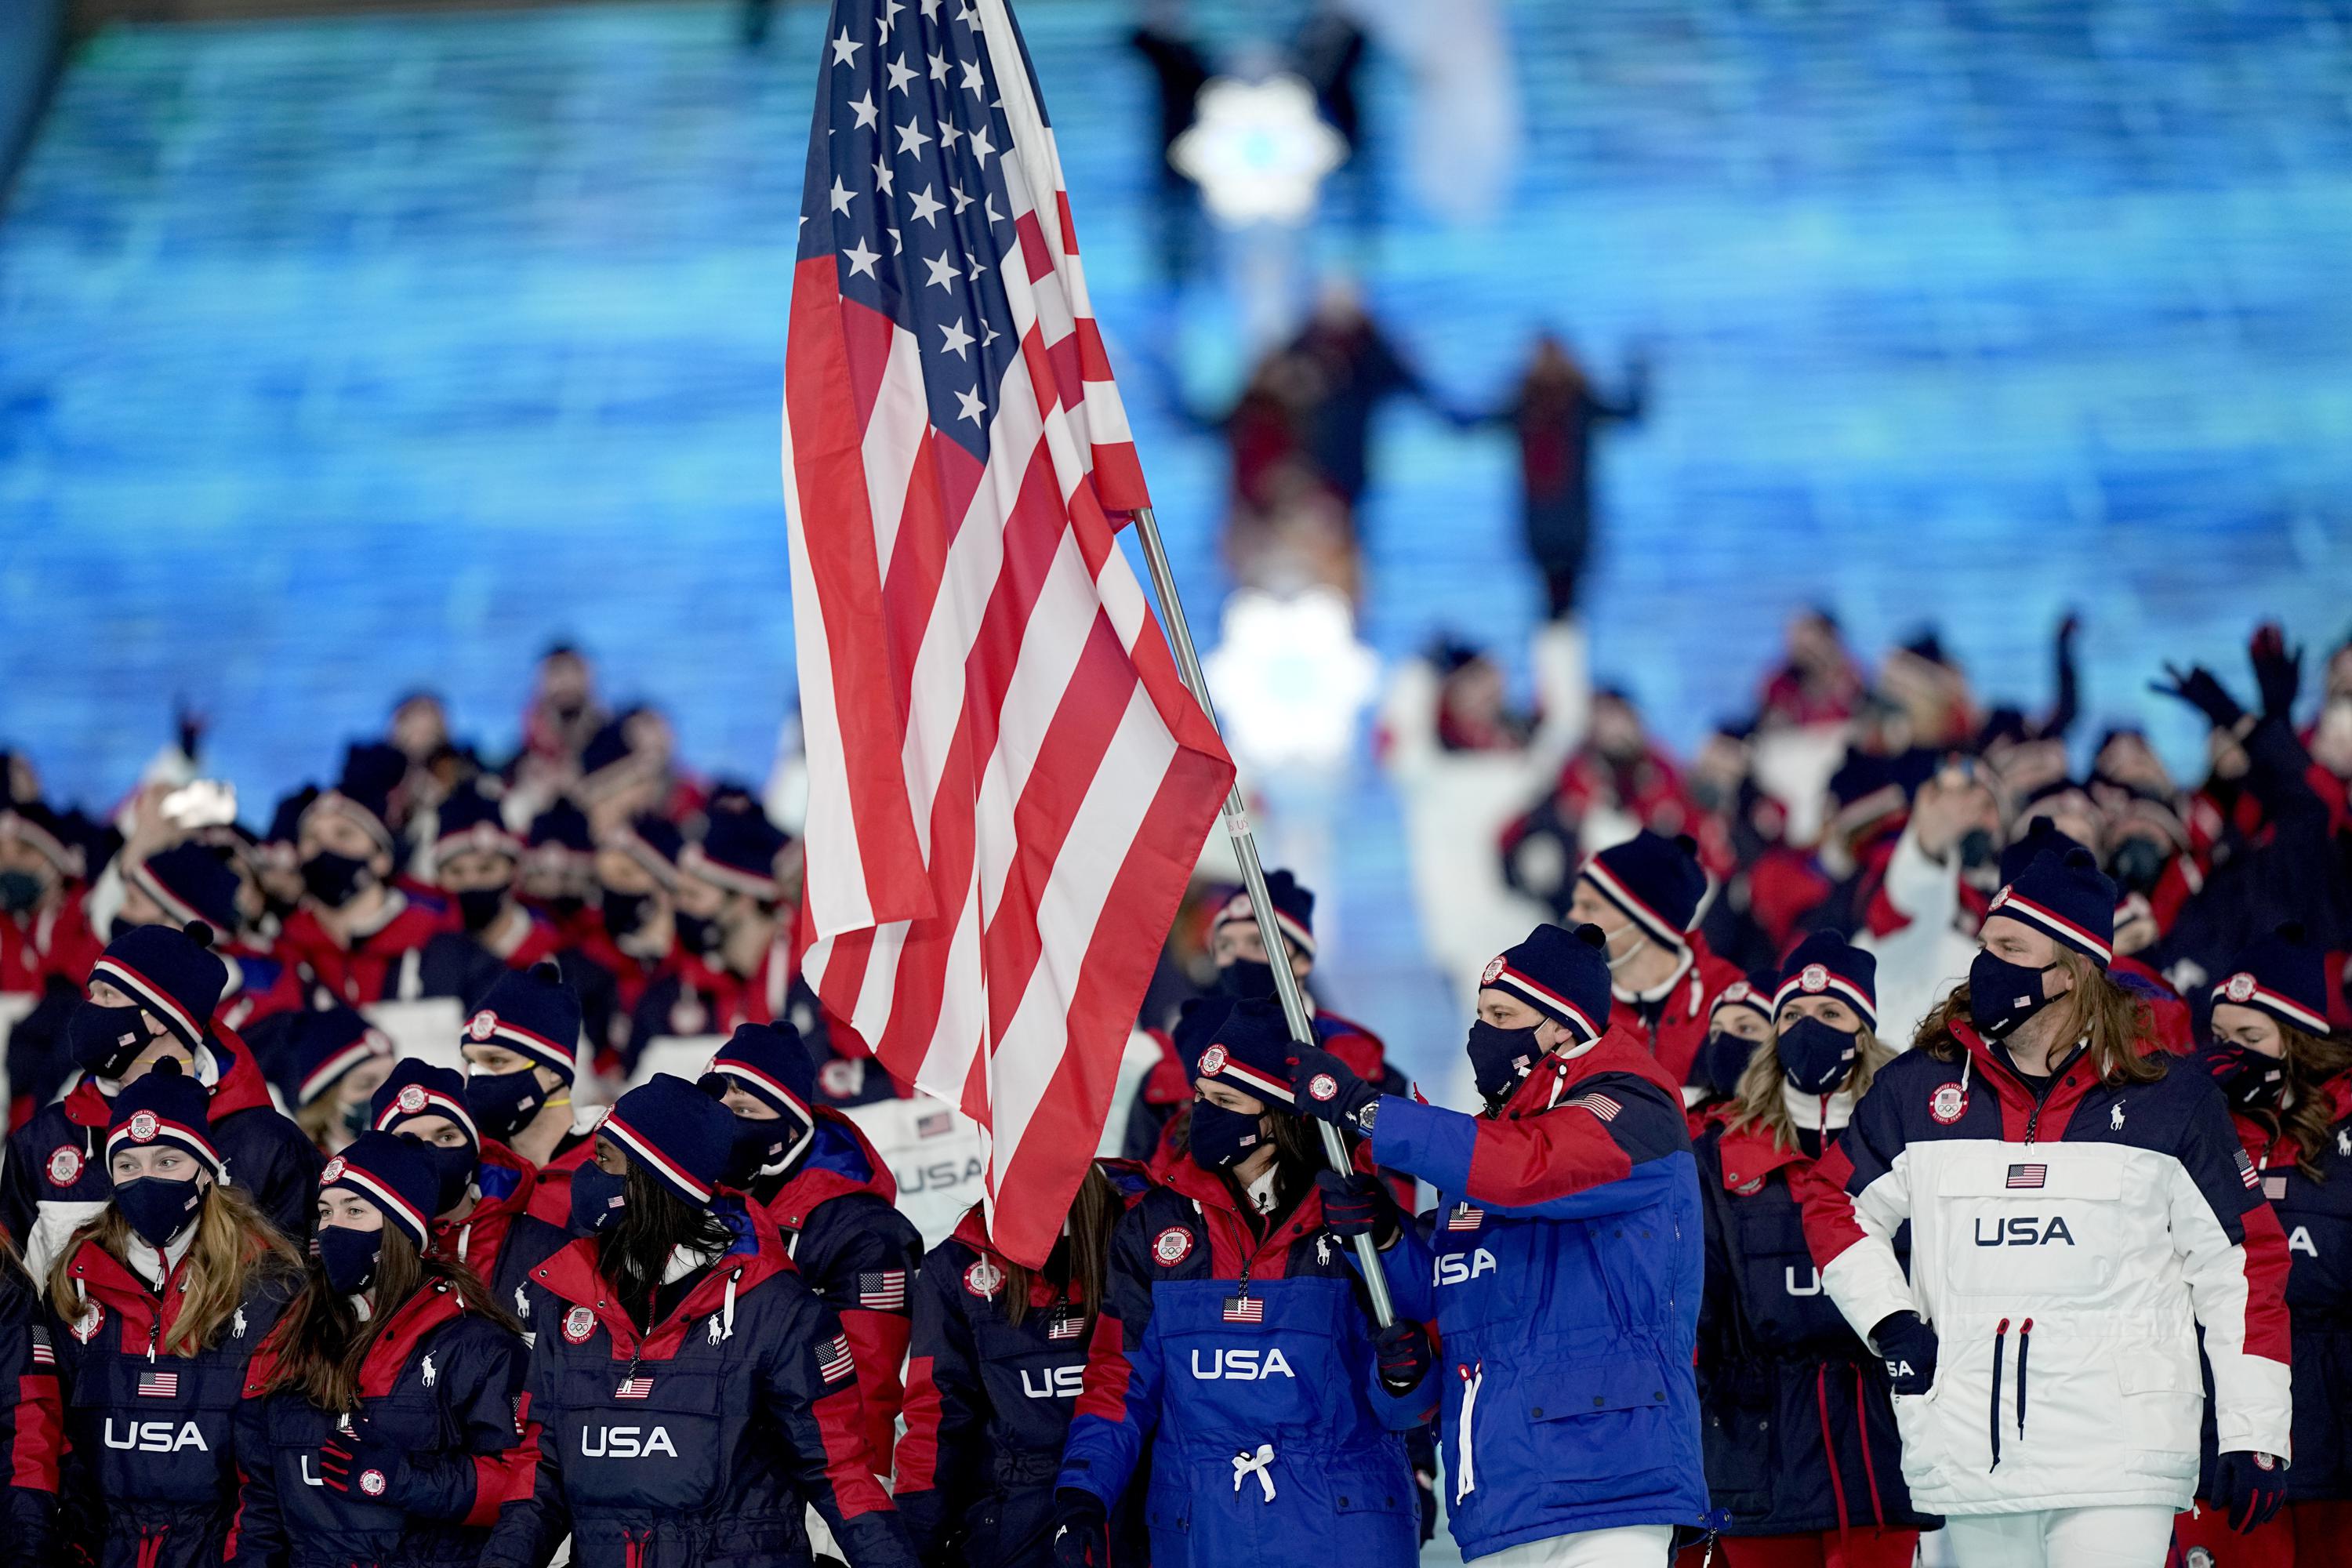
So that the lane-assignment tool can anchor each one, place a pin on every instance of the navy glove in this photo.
(359, 1464)
(2278, 671)
(2249, 1488)
(1404, 1355)
(1329, 1091)
(1081, 1529)
(2202, 691)
(1908, 1348)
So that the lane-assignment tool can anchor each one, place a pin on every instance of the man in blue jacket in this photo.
(1563, 1270)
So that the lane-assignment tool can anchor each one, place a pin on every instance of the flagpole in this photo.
(1237, 828)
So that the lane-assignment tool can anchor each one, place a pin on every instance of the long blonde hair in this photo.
(2116, 1022)
(234, 1243)
(1757, 1101)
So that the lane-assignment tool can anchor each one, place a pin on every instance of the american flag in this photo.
(837, 1363)
(159, 1384)
(1246, 1309)
(43, 1353)
(1065, 1326)
(634, 1388)
(883, 1292)
(1465, 1217)
(2028, 1175)
(1008, 783)
(1601, 1105)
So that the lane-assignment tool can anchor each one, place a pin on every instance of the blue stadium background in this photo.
(338, 358)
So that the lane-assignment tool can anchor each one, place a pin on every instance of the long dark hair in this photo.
(1297, 1151)
(321, 1341)
(2116, 1022)
(633, 1252)
(1093, 1215)
(2307, 1111)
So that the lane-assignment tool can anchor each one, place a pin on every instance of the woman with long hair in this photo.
(998, 1355)
(32, 1423)
(2289, 1083)
(1799, 1432)
(378, 1423)
(2077, 1214)
(157, 1304)
(332, 1061)
(1234, 1336)
(693, 1397)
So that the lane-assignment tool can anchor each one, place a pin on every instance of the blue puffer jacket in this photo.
(1246, 1364)
(1568, 1257)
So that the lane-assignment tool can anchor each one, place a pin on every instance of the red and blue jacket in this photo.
(377, 966)
(503, 1184)
(1244, 1363)
(32, 1420)
(858, 1254)
(56, 1171)
(1563, 1272)
(1798, 1423)
(703, 1440)
(439, 1386)
(148, 1479)
(989, 1404)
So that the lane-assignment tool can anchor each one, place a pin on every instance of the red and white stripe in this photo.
(1545, 999)
(171, 903)
(381, 1194)
(1641, 913)
(1009, 785)
(637, 1143)
(1853, 995)
(152, 997)
(733, 1067)
(2007, 902)
(1238, 911)
(370, 1044)
(435, 1104)
(195, 1140)
(2285, 1006)
(532, 1044)
(1249, 1080)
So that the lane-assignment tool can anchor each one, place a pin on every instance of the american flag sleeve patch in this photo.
(885, 1291)
(43, 1353)
(834, 1362)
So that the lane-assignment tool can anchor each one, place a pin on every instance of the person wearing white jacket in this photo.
(2077, 1214)
(1919, 961)
(1463, 773)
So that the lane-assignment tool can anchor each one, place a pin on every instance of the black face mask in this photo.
(1500, 1057)
(2138, 862)
(478, 907)
(1222, 1139)
(502, 1103)
(1246, 979)
(597, 1198)
(335, 879)
(348, 1256)
(1815, 1056)
(759, 1145)
(564, 908)
(105, 1040)
(19, 891)
(1977, 848)
(159, 1208)
(452, 1169)
(2251, 1081)
(698, 934)
(2002, 995)
(1720, 1061)
(623, 913)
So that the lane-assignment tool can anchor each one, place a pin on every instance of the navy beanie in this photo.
(1562, 975)
(1825, 964)
(1754, 993)
(189, 882)
(1293, 910)
(471, 820)
(675, 1133)
(738, 852)
(1250, 1049)
(372, 775)
(395, 1175)
(164, 1106)
(533, 1013)
(561, 830)
(2281, 975)
(654, 843)
(769, 1062)
(1655, 879)
(172, 973)
(418, 1088)
(322, 1046)
(2066, 898)
(2041, 837)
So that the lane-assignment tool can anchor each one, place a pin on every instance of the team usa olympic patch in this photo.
(578, 1324)
(1948, 1104)
(144, 1127)
(332, 1171)
(482, 1026)
(412, 1098)
(65, 1166)
(84, 1328)
(1492, 972)
(1212, 1061)
(2240, 986)
(1172, 1246)
(1322, 1086)
(1816, 977)
(372, 1482)
(983, 1278)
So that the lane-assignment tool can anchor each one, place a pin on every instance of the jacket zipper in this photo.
(2000, 1342)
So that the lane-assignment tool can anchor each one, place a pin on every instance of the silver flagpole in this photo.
(1238, 827)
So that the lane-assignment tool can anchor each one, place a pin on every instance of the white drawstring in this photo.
(465, 1237)
(727, 1310)
(1260, 1465)
(1466, 1472)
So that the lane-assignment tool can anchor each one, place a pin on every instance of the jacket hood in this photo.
(1620, 1050)
(1750, 1153)
(241, 1086)
(840, 1161)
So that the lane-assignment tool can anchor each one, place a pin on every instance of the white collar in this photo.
(1813, 1112)
(1260, 1193)
(684, 1260)
(1657, 992)
(156, 1267)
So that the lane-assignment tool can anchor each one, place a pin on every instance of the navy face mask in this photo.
(1815, 1056)
(334, 879)
(1720, 1061)
(597, 1198)
(1220, 1139)
(623, 913)
(698, 934)
(1500, 1057)
(2252, 1080)
(478, 907)
(2002, 995)
(452, 1167)
(348, 1256)
(105, 1040)
(501, 1102)
(159, 1208)
(1246, 978)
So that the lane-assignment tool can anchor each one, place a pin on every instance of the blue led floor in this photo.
(340, 357)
